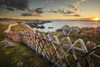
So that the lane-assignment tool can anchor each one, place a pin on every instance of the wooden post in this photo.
(61, 49)
(73, 51)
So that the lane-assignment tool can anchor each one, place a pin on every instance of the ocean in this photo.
(56, 24)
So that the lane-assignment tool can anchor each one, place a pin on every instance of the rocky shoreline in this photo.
(66, 30)
(38, 24)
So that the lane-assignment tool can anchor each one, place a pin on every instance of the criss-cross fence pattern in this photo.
(55, 51)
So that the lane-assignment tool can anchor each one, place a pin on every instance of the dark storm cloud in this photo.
(10, 9)
(17, 4)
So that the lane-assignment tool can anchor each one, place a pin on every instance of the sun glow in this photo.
(96, 18)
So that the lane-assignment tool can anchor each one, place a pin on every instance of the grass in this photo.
(73, 39)
(17, 28)
(3, 27)
(10, 56)
(30, 59)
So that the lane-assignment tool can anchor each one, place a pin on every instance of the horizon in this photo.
(47, 19)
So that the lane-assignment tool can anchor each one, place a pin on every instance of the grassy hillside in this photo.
(10, 56)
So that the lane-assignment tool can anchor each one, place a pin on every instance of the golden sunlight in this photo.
(96, 18)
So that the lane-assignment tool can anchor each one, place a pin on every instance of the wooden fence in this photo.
(55, 51)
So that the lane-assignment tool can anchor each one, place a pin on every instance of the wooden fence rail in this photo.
(62, 55)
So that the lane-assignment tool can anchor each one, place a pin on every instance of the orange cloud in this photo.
(83, 0)
(75, 5)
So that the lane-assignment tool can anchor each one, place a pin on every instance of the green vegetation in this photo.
(10, 56)
(3, 27)
(53, 33)
(75, 37)
(17, 28)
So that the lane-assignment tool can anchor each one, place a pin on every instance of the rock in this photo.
(59, 30)
(19, 64)
(66, 30)
(8, 43)
(74, 30)
(66, 27)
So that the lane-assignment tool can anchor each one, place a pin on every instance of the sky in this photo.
(50, 9)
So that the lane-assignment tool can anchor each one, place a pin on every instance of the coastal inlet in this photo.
(38, 24)
(53, 25)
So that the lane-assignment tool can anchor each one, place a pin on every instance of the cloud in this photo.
(15, 4)
(30, 10)
(78, 10)
(31, 14)
(49, 1)
(26, 14)
(78, 3)
(75, 15)
(62, 6)
(71, 6)
(57, 11)
(10, 9)
(75, 5)
(61, 11)
(70, 12)
(83, 0)
(39, 10)
(66, 12)
(37, 15)
(36, 10)
(52, 11)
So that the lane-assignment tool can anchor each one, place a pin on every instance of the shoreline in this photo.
(54, 25)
